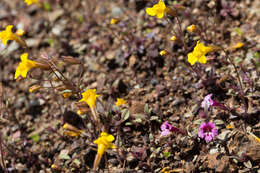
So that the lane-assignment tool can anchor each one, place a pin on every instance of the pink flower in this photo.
(208, 131)
(167, 129)
(207, 101)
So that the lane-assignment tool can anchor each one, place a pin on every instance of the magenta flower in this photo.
(208, 131)
(167, 128)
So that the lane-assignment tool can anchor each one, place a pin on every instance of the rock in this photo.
(55, 14)
(132, 60)
(137, 107)
(12, 47)
(117, 11)
(219, 164)
(223, 135)
(20, 102)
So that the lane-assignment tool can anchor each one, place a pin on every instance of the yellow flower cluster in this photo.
(157, 10)
(24, 66)
(90, 96)
(199, 53)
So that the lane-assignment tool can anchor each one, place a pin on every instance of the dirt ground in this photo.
(123, 60)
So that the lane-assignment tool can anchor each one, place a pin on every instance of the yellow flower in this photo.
(24, 66)
(199, 53)
(157, 10)
(114, 21)
(173, 38)
(104, 142)
(163, 52)
(120, 102)
(29, 2)
(8, 35)
(191, 28)
(90, 97)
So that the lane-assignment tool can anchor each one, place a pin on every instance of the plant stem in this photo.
(239, 80)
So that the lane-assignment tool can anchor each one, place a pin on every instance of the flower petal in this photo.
(203, 59)
(160, 15)
(191, 59)
(151, 11)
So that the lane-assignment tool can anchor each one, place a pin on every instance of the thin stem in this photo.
(239, 80)
(182, 34)
(2, 154)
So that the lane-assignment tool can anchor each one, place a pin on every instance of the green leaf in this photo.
(238, 31)
(47, 6)
(77, 162)
(64, 156)
(138, 120)
(154, 118)
(237, 60)
(146, 109)
(81, 19)
(128, 124)
(166, 154)
(256, 55)
(35, 137)
(125, 114)
(66, 91)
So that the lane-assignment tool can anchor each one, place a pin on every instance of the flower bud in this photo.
(171, 12)
(61, 88)
(191, 28)
(42, 65)
(67, 94)
(70, 60)
(56, 167)
(20, 32)
(179, 7)
(236, 46)
(68, 126)
(34, 88)
(83, 110)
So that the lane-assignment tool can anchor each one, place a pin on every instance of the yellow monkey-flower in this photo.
(7, 34)
(24, 66)
(90, 96)
(120, 102)
(157, 10)
(199, 53)
(104, 142)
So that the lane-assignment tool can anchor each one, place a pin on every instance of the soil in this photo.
(123, 60)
